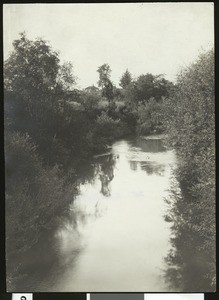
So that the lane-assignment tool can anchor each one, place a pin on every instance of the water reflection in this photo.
(106, 173)
(188, 265)
(113, 237)
(43, 263)
(133, 165)
(114, 229)
(153, 168)
(149, 145)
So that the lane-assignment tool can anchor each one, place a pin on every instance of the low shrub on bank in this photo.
(34, 194)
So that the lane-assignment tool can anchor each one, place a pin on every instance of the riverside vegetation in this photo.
(52, 128)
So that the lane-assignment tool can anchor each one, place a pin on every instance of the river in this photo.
(114, 236)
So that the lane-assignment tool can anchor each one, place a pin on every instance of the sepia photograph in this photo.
(109, 143)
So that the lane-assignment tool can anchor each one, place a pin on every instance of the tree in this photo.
(33, 71)
(105, 82)
(104, 75)
(126, 79)
(150, 117)
(147, 86)
(191, 131)
(37, 88)
(90, 100)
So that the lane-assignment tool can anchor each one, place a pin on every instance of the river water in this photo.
(114, 236)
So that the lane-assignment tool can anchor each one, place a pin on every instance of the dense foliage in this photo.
(191, 128)
(49, 123)
(52, 128)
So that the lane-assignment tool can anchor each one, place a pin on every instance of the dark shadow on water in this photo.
(43, 262)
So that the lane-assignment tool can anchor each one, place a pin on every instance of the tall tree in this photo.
(126, 79)
(34, 73)
(147, 86)
(104, 81)
(37, 88)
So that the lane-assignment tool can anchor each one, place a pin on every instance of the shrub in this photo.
(150, 117)
(34, 194)
(191, 127)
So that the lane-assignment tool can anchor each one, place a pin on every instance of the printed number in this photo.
(23, 298)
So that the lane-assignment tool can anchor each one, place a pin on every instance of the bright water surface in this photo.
(114, 237)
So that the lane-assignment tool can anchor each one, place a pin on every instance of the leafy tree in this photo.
(126, 79)
(191, 128)
(37, 88)
(32, 195)
(33, 71)
(65, 79)
(90, 100)
(105, 82)
(146, 87)
(104, 74)
(150, 117)
(118, 94)
(106, 128)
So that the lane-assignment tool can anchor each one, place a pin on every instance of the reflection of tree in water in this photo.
(152, 146)
(149, 167)
(47, 259)
(189, 267)
(133, 165)
(106, 173)
(153, 168)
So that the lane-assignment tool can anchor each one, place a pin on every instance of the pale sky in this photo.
(157, 38)
(173, 296)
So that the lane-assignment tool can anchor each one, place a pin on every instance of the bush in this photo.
(105, 130)
(150, 117)
(34, 194)
(191, 127)
(90, 101)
